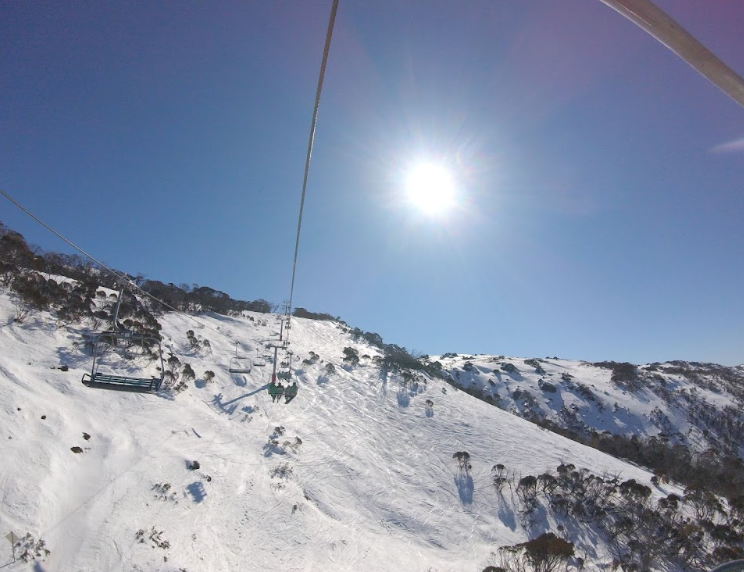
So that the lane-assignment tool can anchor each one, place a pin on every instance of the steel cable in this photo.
(321, 76)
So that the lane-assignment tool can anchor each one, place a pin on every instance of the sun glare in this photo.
(430, 188)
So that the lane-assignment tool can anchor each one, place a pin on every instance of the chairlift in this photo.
(259, 361)
(287, 360)
(239, 364)
(121, 339)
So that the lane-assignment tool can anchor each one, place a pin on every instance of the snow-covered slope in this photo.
(692, 404)
(356, 472)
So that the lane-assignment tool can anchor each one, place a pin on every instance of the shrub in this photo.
(546, 553)
(188, 373)
(193, 342)
(30, 549)
(351, 356)
(313, 358)
(30, 295)
(547, 387)
(463, 461)
(164, 492)
(155, 537)
(398, 358)
(434, 369)
(170, 379)
(585, 392)
(282, 471)
(499, 477)
(209, 376)
(527, 491)
(302, 313)
(547, 483)
(624, 374)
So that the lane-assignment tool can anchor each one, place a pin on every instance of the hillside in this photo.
(357, 471)
(696, 405)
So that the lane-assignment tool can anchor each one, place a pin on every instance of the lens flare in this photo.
(431, 188)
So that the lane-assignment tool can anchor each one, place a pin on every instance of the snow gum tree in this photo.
(463, 461)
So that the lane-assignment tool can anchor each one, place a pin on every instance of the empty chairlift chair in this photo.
(259, 360)
(240, 365)
(116, 373)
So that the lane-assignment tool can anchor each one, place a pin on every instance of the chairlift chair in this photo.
(287, 360)
(240, 365)
(107, 341)
(259, 361)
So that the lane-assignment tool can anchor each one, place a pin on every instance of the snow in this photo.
(371, 486)
(608, 407)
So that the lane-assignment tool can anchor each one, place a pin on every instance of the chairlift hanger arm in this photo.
(661, 26)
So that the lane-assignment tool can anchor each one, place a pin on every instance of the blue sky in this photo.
(599, 216)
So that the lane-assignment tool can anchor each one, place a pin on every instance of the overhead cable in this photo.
(122, 277)
(313, 124)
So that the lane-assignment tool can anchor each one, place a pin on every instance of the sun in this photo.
(430, 187)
